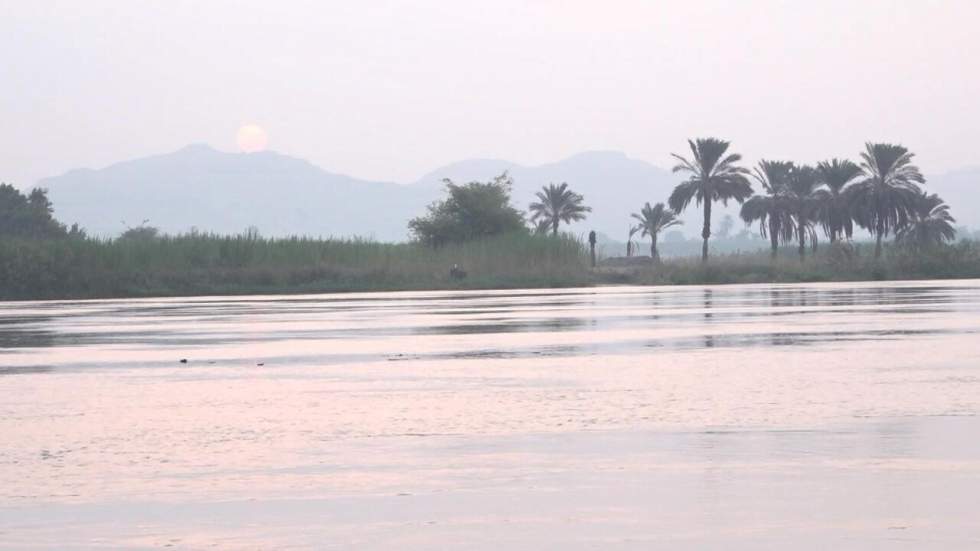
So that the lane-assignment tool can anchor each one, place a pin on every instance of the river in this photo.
(733, 417)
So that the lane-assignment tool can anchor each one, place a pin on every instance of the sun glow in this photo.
(252, 138)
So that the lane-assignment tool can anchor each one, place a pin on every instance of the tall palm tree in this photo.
(930, 223)
(557, 204)
(713, 176)
(803, 200)
(884, 199)
(835, 208)
(652, 221)
(770, 210)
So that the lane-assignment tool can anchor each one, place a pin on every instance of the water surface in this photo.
(729, 417)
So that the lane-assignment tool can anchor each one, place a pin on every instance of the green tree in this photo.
(835, 214)
(771, 210)
(28, 216)
(802, 196)
(713, 175)
(473, 210)
(884, 199)
(557, 204)
(930, 223)
(652, 220)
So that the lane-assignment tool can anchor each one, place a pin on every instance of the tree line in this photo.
(796, 202)
(881, 194)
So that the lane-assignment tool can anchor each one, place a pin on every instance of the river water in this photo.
(729, 417)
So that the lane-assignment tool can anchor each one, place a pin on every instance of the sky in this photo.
(389, 90)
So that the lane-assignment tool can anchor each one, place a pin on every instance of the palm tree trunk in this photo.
(706, 232)
(773, 238)
(554, 227)
(879, 231)
(800, 229)
(654, 254)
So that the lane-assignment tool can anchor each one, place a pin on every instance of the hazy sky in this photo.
(392, 89)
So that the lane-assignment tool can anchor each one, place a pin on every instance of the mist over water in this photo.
(752, 416)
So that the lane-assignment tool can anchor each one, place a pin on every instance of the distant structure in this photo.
(457, 273)
(592, 246)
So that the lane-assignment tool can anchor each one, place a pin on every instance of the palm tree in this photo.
(884, 200)
(803, 200)
(770, 210)
(713, 176)
(835, 209)
(652, 221)
(930, 223)
(557, 204)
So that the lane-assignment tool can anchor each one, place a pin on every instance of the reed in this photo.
(196, 264)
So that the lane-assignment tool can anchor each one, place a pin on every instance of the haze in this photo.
(390, 90)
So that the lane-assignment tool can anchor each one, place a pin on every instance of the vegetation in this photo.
(881, 195)
(838, 262)
(714, 175)
(930, 223)
(557, 204)
(769, 210)
(29, 216)
(475, 238)
(835, 205)
(883, 201)
(652, 221)
(630, 246)
(475, 210)
(802, 201)
(197, 264)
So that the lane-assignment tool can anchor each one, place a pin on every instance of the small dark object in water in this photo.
(260, 364)
(456, 272)
(183, 360)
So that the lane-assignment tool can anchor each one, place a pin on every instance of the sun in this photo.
(252, 138)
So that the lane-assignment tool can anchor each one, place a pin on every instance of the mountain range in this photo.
(210, 190)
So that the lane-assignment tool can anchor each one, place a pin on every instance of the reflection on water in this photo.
(737, 417)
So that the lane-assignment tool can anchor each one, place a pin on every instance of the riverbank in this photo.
(828, 263)
(194, 265)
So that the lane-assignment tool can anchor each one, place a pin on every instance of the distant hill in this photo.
(211, 190)
(200, 187)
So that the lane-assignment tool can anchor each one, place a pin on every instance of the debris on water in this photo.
(183, 360)
(260, 364)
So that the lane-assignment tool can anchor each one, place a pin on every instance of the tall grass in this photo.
(830, 263)
(198, 264)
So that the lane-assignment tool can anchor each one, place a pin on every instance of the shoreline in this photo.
(598, 283)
